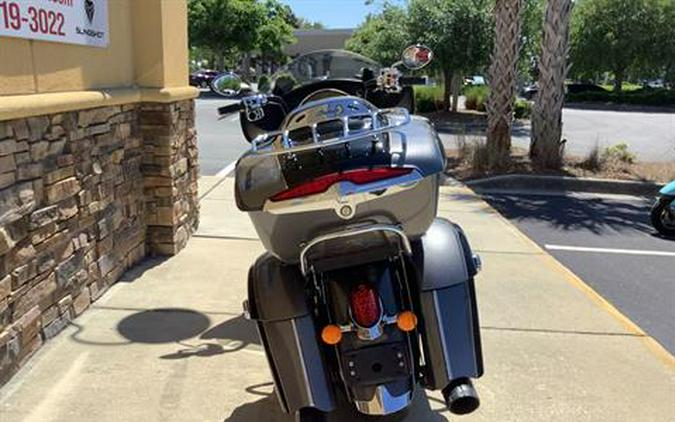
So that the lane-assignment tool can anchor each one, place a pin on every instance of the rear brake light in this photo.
(365, 304)
(358, 177)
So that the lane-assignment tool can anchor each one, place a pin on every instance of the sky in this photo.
(332, 13)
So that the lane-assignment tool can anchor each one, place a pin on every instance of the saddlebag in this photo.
(450, 334)
(278, 304)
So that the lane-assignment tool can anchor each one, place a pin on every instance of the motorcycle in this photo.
(363, 294)
(663, 211)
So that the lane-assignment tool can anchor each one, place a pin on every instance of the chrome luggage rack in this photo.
(338, 109)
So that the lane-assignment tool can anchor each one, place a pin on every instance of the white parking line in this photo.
(227, 170)
(609, 251)
(234, 118)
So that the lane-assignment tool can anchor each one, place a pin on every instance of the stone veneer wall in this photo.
(84, 195)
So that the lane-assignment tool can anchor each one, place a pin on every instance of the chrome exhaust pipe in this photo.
(461, 397)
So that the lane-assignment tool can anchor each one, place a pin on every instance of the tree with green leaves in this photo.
(666, 42)
(224, 27)
(532, 25)
(276, 31)
(383, 36)
(232, 28)
(459, 32)
(617, 36)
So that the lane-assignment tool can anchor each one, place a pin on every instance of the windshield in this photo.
(322, 65)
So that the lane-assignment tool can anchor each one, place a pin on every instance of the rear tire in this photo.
(309, 414)
(659, 216)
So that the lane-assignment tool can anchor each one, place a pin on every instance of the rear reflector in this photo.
(406, 321)
(331, 334)
(358, 177)
(365, 304)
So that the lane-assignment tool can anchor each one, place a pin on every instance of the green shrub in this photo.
(644, 96)
(618, 153)
(264, 83)
(522, 109)
(476, 97)
(428, 98)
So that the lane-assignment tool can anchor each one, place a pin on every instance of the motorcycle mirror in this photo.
(416, 57)
(227, 85)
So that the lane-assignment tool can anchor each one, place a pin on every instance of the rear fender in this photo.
(443, 257)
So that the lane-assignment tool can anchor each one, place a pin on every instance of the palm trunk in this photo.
(447, 89)
(546, 147)
(618, 80)
(456, 86)
(503, 78)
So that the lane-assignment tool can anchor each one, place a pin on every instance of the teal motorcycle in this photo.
(663, 211)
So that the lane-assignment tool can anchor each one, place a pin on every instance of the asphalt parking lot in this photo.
(220, 141)
(609, 242)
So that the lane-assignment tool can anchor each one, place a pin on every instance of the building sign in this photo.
(82, 22)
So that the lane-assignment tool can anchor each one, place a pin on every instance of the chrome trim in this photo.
(373, 332)
(439, 323)
(305, 376)
(345, 193)
(354, 232)
(331, 109)
(253, 106)
(477, 262)
(383, 403)
(247, 310)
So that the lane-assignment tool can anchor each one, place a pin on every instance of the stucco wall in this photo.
(30, 67)
(148, 48)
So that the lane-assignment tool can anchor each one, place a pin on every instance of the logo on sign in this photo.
(90, 9)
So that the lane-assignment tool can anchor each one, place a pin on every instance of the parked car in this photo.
(655, 84)
(202, 78)
(530, 91)
(475, 80)
(583, 87)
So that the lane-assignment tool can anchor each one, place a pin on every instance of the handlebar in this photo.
(229, 109)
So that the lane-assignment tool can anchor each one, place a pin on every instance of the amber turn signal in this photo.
(331, 334)
(406, 321)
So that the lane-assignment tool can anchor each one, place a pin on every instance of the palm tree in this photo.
(546, 146)
(503, 76)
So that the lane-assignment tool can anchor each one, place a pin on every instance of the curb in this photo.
(563, 184)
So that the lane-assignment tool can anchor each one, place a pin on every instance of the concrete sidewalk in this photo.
(169, 344)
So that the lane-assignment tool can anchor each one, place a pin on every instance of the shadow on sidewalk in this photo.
(186, 328)
(267, 409)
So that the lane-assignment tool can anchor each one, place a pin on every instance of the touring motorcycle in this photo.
(363, 294)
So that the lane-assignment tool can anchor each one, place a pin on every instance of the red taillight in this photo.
(365, 305)
(358, 177)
